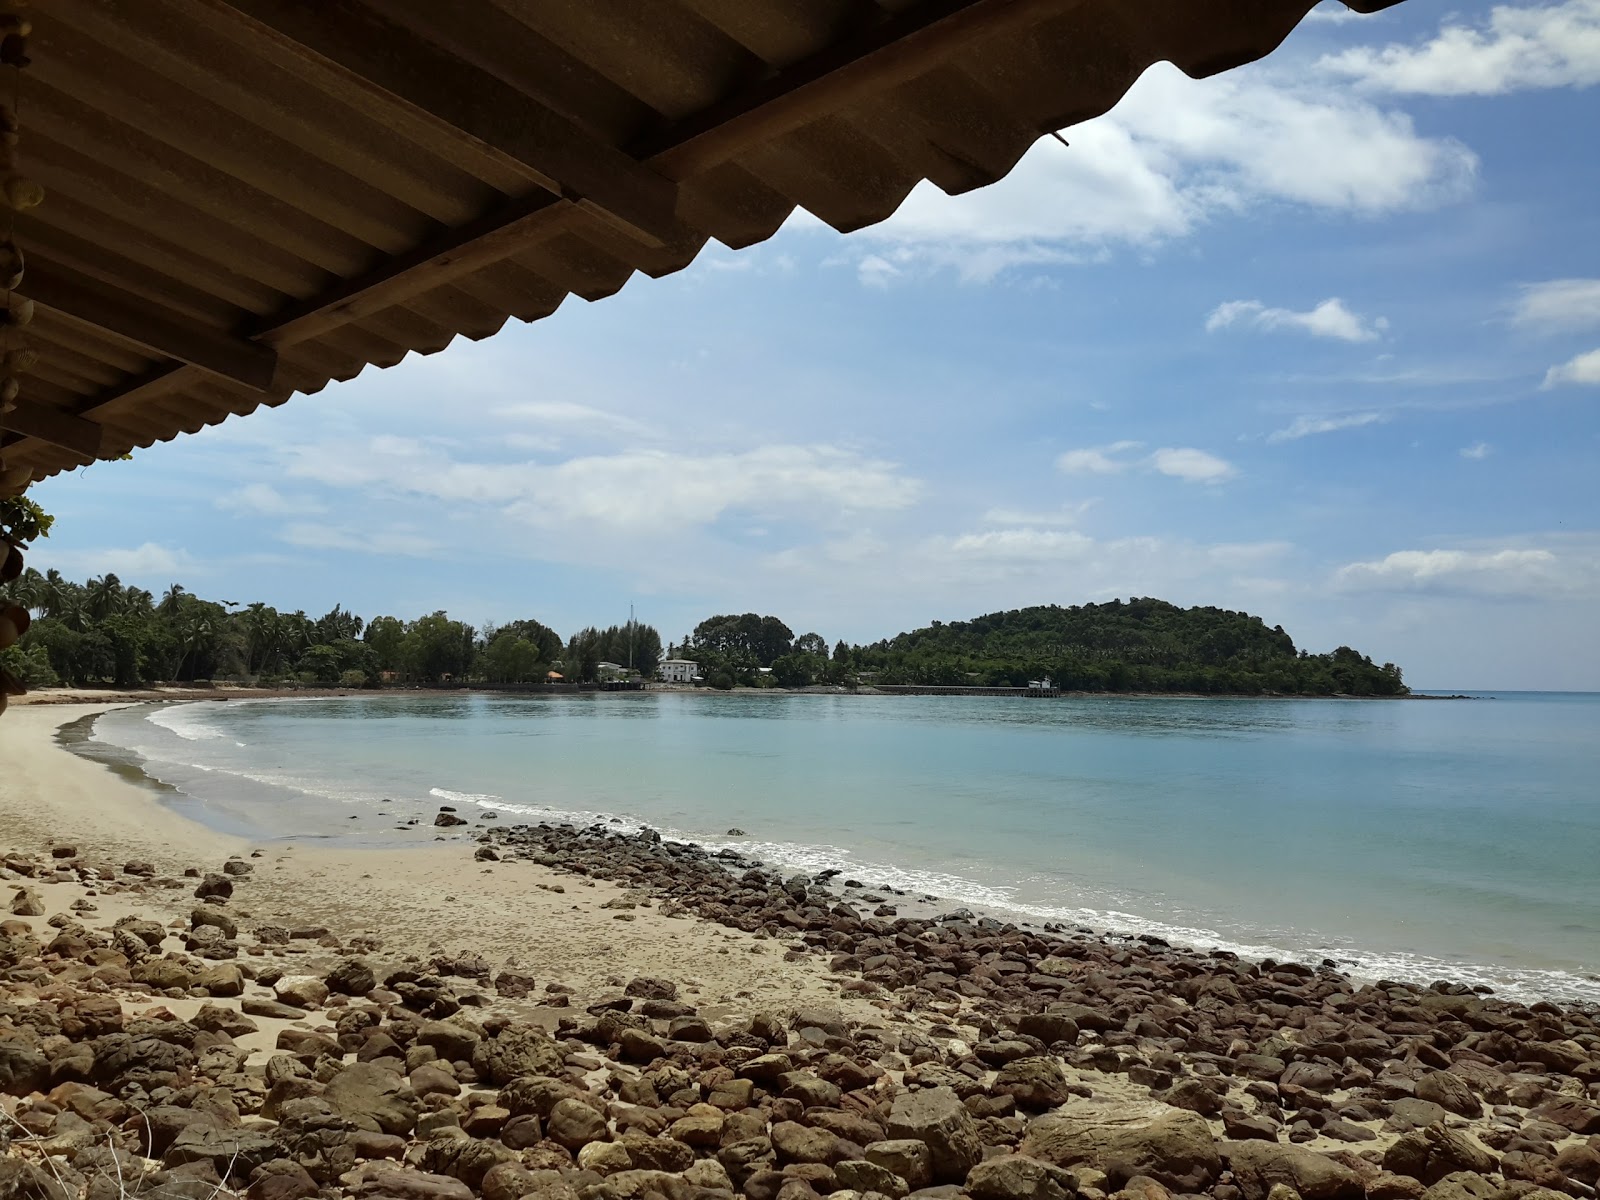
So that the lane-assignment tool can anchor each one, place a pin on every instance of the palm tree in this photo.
(104, 596)
(28, 590)
(171, 600)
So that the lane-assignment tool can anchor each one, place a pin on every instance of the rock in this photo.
(1171, 1146)
(574, 1124)
(235, 1151)
(1580, 1162)
(369, 1097)
(936, 1117)
(513, 985)
(1256, 1127)
(281, 1179)
(517, 1052)
(1017, 1177)
(224, 980)
(446, 819)
(465, 1158)
(214, 886)
(302, 991)
(397, 1184)
(237, 867)
(908, 1158)
(1194, 1095)
(508, 1181)
(645, 987)
(1432, 1153)
(21, 1180)
(161, 973)
(1463, 1185)
(796, 1143)
(351, 977)
(862, 1176)
(271, 1009)
(1569, 1112)
(1258, 1166)
(211, 915)
(1394, 1187)
(27, 903)
(22, 1069)
(1048, 1027)
(1449, 1092)
(1408, 1113)
(137, 866)
(1033, 1082)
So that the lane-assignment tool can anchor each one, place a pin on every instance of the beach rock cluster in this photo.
(173, 1059)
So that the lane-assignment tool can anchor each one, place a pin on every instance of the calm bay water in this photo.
(1421, 840)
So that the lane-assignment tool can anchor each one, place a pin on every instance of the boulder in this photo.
(574, 1124)
(1034, 1082)
(27, 903)
(1449, 1092)
(351, 977)
(22, 1069)
(516, 1052)
(859, 1175)
(302, 991)
(368, 1096)
(281, 1179)
(1570, 1112)
(1258, 1166)
(21, 1180)
(908, 1158)
(214, 886)
(1432, 1153)
(397, 1184)
(224, 980)
(1463, 1185)
(937, 1118)
(1172, 1146)
(513, 985)
(645, 987)
(796, 1143)
(1017, 1177)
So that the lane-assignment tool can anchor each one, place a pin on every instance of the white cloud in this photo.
(138, 562)
(1330, 319)
(389, 542)
(1477, 452)
(634, 491)
(1545, 46)
(1559, 304)
(1174, 154)
(1186, 463)
(876, 271)
(1097, 460)
(1192, 466)
(1542, 568)
(1584, 369)
(262, 499)
(1067, 514)
(574, 418)
(1304, 426)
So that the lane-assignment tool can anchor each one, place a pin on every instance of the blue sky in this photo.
(1318, 339)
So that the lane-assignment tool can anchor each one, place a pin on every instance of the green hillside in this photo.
(1139, 645)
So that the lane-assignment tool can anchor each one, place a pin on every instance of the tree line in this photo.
(1138, 645)
(103, 632)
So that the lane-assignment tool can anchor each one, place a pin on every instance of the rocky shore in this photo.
(154, 1042)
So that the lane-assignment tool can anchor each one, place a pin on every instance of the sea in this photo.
(1417, 839)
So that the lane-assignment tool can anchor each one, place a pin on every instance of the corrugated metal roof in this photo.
(249, 199)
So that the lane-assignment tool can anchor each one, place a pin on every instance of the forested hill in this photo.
(1138, 645)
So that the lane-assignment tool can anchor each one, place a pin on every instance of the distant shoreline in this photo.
(182, 695)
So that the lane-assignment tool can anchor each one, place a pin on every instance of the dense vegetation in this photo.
(1139, 645)
(101, 632)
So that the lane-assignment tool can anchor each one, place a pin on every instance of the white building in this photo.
(678, 670)
(610, 670)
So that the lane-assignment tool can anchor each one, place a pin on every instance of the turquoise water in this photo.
(1424, 840)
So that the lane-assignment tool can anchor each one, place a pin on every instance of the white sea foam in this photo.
(187, 722)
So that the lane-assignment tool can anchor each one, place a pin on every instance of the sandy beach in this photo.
(415, 901)
(601, 1015)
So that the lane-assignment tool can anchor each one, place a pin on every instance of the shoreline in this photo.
(581, 1014)
(1525, 981)
(182, 695)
